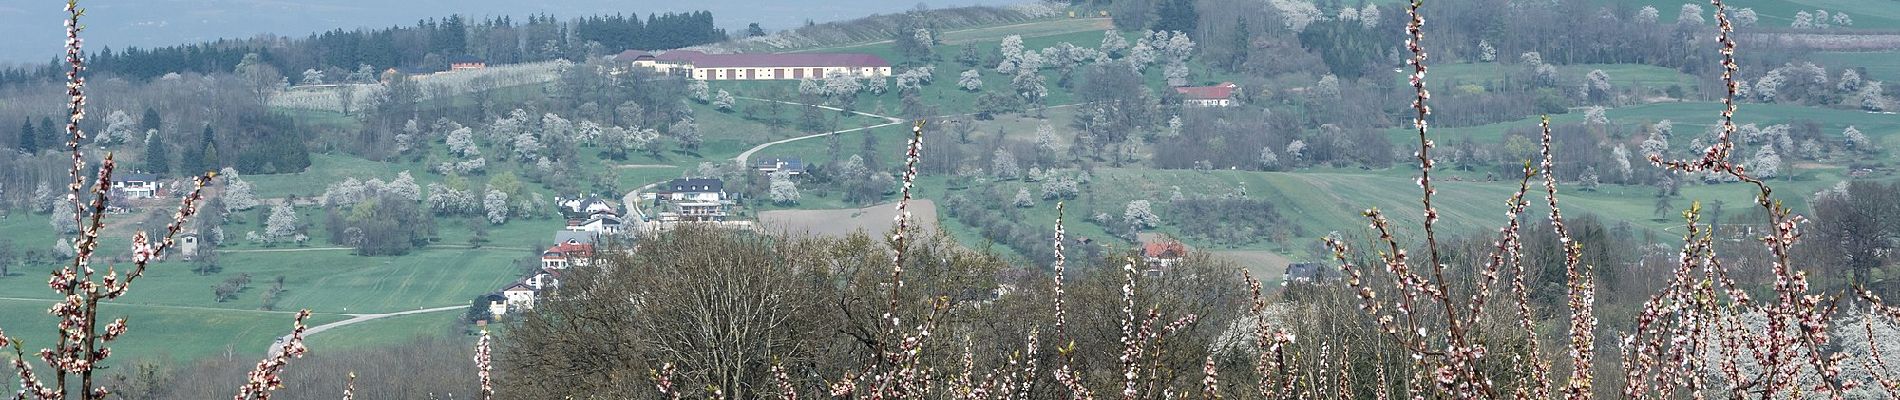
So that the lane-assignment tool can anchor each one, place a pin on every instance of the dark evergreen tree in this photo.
(151, 121)
(29, 140)
(753, 30)
(206, 157)
(157, 156)
(50, 137)
(1176, 15)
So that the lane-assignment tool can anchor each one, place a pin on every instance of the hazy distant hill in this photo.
(33, 34)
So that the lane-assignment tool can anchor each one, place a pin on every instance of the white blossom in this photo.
(1003, 165)
(348, 192)
(447, 200)
(588, 133)
(1856, 140)
(1486, 52)
(1871, 98)
(782, 189)
(1766, 164)
(1369, 16)
(1268, 159)
(1045, 139)
(281, 225)
(698, 91)
(1023, 199)
(1112, 42)
(1595, 116)
(1647, 15)
(1059, 186)
(312, 77)
(495, 203)
(238, 195)
(723, 100)
(1328, 87)
(1849, 82)
(1745, 17)
(1030, 86)
(1802, 20)
(1140, 214)
(1691, 14)
(527, 147)
(404, 187)
(120, 129)
(1599, 81)
(810, 87)
(970, 80)
(1621, 155)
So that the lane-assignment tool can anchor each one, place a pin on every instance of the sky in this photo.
(30, 30)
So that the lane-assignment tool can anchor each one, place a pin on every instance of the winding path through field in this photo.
(354, 319)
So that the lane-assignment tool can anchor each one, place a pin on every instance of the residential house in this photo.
(188, 246)
(581, 207)
(565, 255)
(136, 185)
(466, 62)
(696, 200)
(543, 280)
(1309, 273)
(518, 296)
(791, 166)
(576, 237)
(497, 305)
(1221, 95)
(599, 224)
(1162, 254)
(755, 66)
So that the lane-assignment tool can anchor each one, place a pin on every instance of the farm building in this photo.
(776, 66)
(465, 61)
(1221, 95)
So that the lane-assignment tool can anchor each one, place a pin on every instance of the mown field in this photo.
(156, 332)
(1867, 14)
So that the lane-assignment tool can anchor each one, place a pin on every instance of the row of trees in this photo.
(429, 43)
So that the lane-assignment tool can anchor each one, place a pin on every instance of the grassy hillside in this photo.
(1867, 14)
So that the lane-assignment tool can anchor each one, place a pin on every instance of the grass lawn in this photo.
(1881, 66)
(159, 332)
(1490, 75)
(389, 331)
(329, 281)
(1867, 14)
(1689, 118)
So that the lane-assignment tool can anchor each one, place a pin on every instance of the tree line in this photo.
(430, 43)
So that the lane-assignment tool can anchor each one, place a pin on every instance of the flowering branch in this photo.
(268, 375)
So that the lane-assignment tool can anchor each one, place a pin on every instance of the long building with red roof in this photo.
(758, 66)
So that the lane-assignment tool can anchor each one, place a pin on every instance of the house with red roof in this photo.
(1161, 254)
(1221, 95)
(758, 66)
(567, 254)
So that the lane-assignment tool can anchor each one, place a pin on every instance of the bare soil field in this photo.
(1266, 266)
(872, 220)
